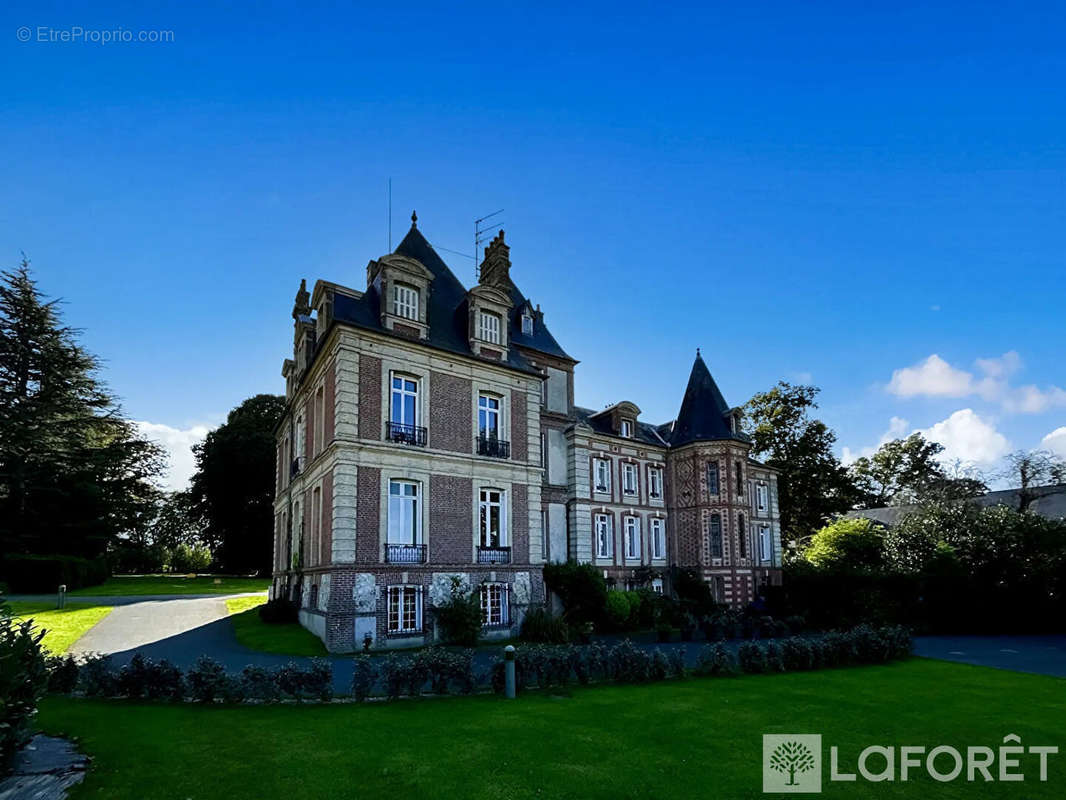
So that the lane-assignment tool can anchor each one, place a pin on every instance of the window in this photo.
(320, 419)
(301, 436)
(764, 542)
(655, 481)
(405, 513)
(404, 408)
(544, 534)
(742, 536)
(405, 301)
(716, 536)
(629, 478)
(658, 538)
(657, 585)
(627, 428)
(488, 416)
(602, 468)
(543, 449)
(603, 536)
(527, 325)
(761, 496)
(316, 528)
(405, 609)
(632, 526)
(491, 523)
(494, 604)
(740, 479)
(489, 327)
(712, 477)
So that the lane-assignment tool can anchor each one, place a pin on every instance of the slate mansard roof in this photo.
(447, 310)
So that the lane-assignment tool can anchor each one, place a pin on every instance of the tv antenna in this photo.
(483, 234)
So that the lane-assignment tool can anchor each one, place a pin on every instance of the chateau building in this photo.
(431, 445)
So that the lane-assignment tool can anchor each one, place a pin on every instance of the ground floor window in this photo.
(405, 609)
(494, 604)
(603, 536)
(632, 537)
(657, 585)
(658, 539)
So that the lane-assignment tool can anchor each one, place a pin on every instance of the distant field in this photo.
(291, 639)
(62, 627)
(131, 585)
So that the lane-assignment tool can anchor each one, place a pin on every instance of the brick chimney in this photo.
(496, 268)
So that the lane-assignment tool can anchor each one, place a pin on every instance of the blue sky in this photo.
(809, 193)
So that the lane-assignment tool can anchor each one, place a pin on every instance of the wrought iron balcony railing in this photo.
(405, 553)
(405, 434)
(494, 555)
(491, 446)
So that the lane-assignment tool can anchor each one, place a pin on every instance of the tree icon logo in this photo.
(792, 757)
(792, 762)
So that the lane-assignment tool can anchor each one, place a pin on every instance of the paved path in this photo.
(122, 600)
(134, 626)
(1044, 655)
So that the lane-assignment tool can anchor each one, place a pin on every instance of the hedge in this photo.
(36, 574)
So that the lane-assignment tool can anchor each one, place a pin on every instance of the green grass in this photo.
(290, 639)
(131, 585)
(700, 738)
(62, 627)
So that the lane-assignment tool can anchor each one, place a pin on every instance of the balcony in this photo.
(405, 554)
(493, 447)
(405, 434)
(494, 555)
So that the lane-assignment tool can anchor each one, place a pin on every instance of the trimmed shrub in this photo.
(582, 590)
(62, 674)
(445, 670)
(629, 664)
(279, 611)
(751, 656)
(677, 662)
(617, 608)
(364, 675)
(540, 625)
(44, 574)
(796, 654)
(773, 657)
(314, 682)
(97, 678)
(23, 681)
(717, 659)
(260, 683)
(459, 618)
(208, 681)
(660, 666)
(144, 678)
(400, 674)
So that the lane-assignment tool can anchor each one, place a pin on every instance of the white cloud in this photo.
(178, 443)
(935, 377)
(1055, 441)
(897, 429)
(968, 437)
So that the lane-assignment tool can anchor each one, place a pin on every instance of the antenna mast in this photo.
(481, 235)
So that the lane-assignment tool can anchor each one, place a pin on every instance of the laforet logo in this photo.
(790, 758)
(792, 763)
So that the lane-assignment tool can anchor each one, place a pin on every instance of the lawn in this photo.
(290, 639)
(699, 738)
(130, 585)
(62, 627)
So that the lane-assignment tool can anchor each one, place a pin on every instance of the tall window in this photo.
(405, 609)
(603, 536)
(405, 517)
(655, 481)
(742, 536)
(488, 416)
(527, 325)
(712, 477)
(740, 479)
(404, 409)
(316, 527)
(494, 604)
(632, 526)
(602, 469)
(658, 538)
(716, 536)
(764, 542)
(405, 301)
(489, 327)
(627, 428)
(761, 496)
(493, 528)
(320, 419)
(301, 436)
(629, 478)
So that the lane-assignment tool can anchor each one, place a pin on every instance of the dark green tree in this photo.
(901, 472)
(233, 487)
(74, 475)
(813, 485)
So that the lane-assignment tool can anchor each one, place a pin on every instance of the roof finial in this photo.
(414, 220)
(697, 352)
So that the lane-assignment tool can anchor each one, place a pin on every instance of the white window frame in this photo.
(657, 585)
(393, 532)
(629, 478)
(602, 526)
(631, 528)
(405, 301)
(489, 418)
(403, 392)
(762, 496)
(655, 483)
(396, 609)
(604, 465)
(527, 325)
(486, 503)
(627, 429)
(489, 327)
(495, 605)
(658, 538)
(764, 542)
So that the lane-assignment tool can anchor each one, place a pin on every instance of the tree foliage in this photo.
(1029, 470)
(813, 485)
(908, 471)
(233, 487)
(73, 473)
(856, 544)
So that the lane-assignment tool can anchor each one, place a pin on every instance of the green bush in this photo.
(459, 618)
(62, 674)
(35, 574)
(582, 590)
(23, 681)
(717, 659)
(279, 611)
(618, 609)
(364, 674)
(96, 677)
(208, 681)
(260, 683)
(186, 557)
(145, 678)
(540, 625)
(752, 657)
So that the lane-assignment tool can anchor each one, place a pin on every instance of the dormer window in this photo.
(489, 327)
(527, 325)
(405, 301)
(627, 428)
